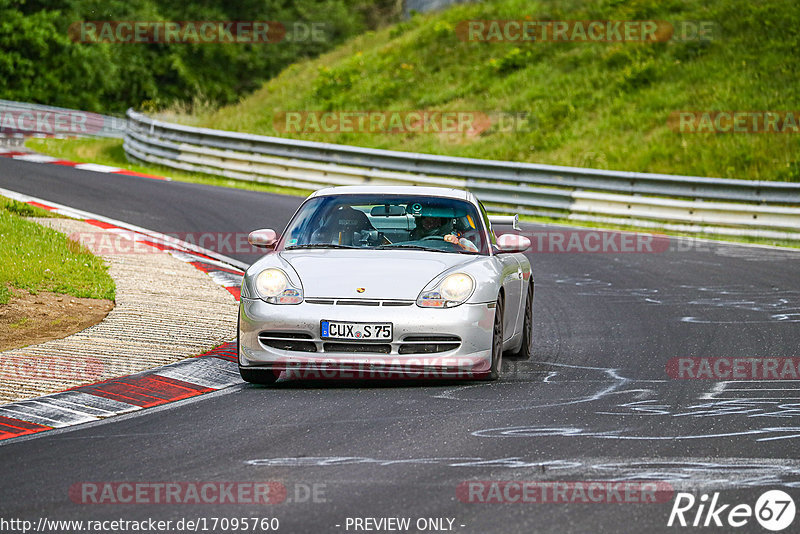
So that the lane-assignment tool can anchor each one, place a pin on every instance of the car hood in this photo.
(383, 274)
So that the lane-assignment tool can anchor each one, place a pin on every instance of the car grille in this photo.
(428, 344)
(359, 302)
(353, 302)
(414, 344)
(288, 341)
(379, 348)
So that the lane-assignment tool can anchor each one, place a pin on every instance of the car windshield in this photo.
(383, 222)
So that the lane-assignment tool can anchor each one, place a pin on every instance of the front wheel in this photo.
(264, 377)
(497, 341)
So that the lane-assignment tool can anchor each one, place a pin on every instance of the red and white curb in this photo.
(214, 370)
(94, 167)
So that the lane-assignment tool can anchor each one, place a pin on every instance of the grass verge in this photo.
(22, 209)
(40, 259)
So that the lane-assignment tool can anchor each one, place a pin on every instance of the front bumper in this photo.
(469, 356)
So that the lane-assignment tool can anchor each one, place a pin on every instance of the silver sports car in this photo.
(386, 282)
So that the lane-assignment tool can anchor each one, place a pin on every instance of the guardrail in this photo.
(678, 203)
(20, 119)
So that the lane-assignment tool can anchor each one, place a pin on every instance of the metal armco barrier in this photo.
(681, 203)
(19, 119)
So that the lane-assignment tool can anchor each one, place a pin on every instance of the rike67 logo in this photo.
(774, 510)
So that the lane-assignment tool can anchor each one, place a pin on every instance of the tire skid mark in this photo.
(684, 473)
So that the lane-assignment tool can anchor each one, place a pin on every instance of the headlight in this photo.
(274, 287)
(452, 291)
(457, 287)
(271, 282)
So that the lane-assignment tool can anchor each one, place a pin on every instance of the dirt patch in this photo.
(30, 319)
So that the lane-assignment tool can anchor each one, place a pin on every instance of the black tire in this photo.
(264, 377)
(526, 348)
(497, 341)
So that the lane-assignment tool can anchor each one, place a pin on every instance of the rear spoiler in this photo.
(509, 220)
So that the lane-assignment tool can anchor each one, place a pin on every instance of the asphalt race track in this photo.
(594, 403)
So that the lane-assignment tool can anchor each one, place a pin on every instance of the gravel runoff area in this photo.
(166, 310)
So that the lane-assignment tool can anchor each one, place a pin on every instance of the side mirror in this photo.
(264, 238)
(513, 243)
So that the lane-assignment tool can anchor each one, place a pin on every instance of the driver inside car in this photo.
(431, 226)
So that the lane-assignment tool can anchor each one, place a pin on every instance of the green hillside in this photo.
(591, 104)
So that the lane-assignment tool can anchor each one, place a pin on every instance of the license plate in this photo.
(359, 331)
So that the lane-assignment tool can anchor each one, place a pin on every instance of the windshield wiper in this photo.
(429, 249)
(412, 247)
(318, 245)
